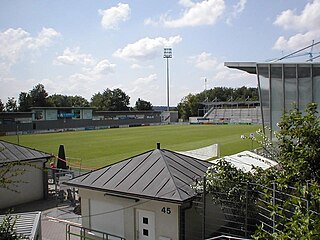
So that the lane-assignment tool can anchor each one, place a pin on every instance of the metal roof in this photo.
(157, 174)
(247, 160)
(249, 67)
(27, 224)
(10, 152)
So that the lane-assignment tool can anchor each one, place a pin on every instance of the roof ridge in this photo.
(170, 173)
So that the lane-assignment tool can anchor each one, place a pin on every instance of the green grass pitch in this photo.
(98, 148)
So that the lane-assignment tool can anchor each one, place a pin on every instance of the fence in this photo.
(248, 205)
(276, 198)
(59, 191)
(88, 234)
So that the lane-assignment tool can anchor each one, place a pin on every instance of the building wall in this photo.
(122, 218)
(47, 120)
(169, 116)
(285, 86)
(30, 186)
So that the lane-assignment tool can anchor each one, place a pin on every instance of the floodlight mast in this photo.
(168, 54)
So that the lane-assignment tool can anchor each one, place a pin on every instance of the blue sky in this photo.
(83, 47)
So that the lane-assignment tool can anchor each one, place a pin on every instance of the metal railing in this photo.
(88, 234)
(256, 206)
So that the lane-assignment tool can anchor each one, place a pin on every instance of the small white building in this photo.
(28, 186)
(148, 196)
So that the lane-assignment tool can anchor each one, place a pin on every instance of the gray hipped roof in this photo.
(157, 174)
(10, 152)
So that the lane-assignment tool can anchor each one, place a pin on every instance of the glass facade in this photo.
(264, 87)
(284, 86)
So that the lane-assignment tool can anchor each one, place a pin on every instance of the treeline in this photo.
(108, 100)
(190, 104)
(118, 100)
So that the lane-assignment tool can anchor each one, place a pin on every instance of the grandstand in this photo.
(243, 112)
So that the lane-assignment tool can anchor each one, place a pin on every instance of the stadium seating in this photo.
(234, 115)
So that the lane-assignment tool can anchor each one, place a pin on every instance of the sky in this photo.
(84, 47)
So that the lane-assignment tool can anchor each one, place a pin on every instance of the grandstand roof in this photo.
(231, 103)
(249, 67)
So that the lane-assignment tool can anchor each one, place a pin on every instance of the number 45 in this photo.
(166, 210)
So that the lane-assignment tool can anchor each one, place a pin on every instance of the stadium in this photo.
(241, 112)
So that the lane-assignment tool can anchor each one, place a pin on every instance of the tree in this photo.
(97, 101)
(11, 105)
(189, 106)
(111, 100)
(78, 101)
(297, 152)
(58, 100)
(7, 228)
(142, 105)
(299, 145)
(1, 106)
(25, 102)
(120, 100)
(39, 96)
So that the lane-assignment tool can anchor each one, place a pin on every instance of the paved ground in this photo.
(54, 217)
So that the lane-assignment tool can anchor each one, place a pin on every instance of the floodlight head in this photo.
(167, 53)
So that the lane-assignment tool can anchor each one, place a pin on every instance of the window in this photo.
(76, 114)
(38, 115)
(145, 232)
(145, 220)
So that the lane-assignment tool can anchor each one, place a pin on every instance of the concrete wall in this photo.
(122, 217)
(29, 187)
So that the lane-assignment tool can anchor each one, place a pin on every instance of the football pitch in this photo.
(97, 148)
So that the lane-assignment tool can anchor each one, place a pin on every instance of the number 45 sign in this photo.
(166, 210)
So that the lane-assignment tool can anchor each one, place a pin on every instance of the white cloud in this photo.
(306, 24)
(196, 14)
(112, 17)
(135, 66)
(87, 81)
(146, 48)
(237, 9)
(186, 3)
(103, 67)
(146, 80)
(226, 77)
(44, 39)
(146, 88)
(73, 56)
(139, 66)
(204, 61)
(15, 42)
(297, 41)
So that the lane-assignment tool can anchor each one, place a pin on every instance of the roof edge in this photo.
(249, 67)
(128, 195)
